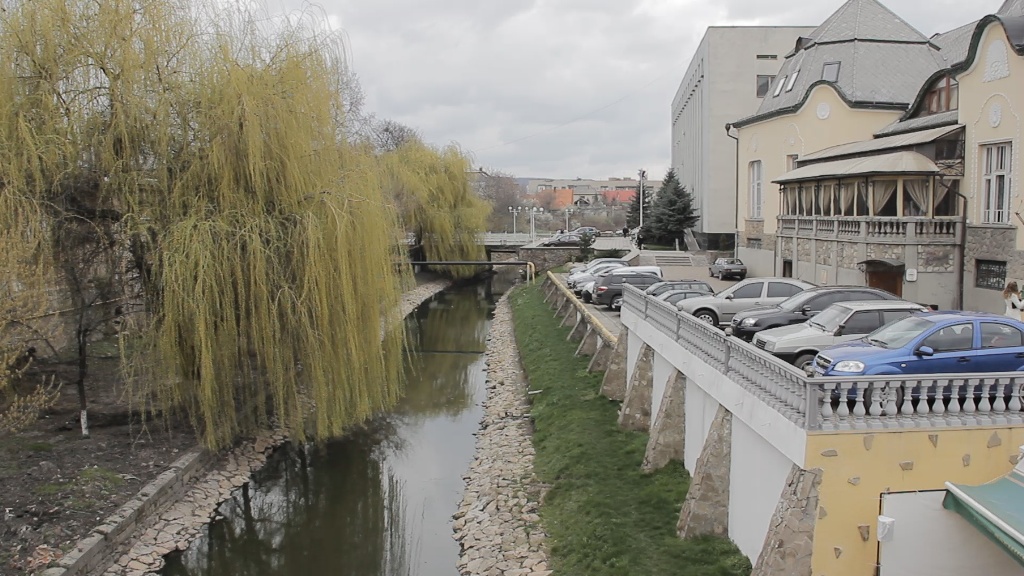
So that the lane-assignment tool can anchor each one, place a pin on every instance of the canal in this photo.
(379, 501)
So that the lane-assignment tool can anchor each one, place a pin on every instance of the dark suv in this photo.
(799, 308)
(609, 290)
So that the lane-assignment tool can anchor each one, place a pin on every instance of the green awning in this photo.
(996, 509)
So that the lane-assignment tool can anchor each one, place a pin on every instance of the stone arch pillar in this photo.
(668, 431)
(706, 508)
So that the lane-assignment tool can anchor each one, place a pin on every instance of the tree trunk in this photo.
(83, 365)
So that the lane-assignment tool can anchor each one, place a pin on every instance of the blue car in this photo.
(930, 343)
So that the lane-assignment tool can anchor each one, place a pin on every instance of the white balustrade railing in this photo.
(852, 403)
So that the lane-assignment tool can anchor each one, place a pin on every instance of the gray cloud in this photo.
(505, 79)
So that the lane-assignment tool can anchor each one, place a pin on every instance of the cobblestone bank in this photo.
(182, 522)
(497, 524)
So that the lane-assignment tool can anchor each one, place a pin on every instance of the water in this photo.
(378, 502)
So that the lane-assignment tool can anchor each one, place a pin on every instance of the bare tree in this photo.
(502, 191)
(388, 135)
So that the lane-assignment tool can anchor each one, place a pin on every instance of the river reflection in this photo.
(378, 502)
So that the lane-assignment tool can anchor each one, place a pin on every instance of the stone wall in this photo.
(548, 258)
(990, 243)
(885, 251)
(706, 508)
(848, 254)
(790, 540)
(936, 258)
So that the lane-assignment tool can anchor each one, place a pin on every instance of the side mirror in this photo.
(728, 296)
(839, 330)
(925, 351)
(806, 310)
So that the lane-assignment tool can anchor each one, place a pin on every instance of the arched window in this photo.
(943, 96)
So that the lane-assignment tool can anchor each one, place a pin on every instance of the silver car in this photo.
(719, 309)
(798, 344)
(728, 268)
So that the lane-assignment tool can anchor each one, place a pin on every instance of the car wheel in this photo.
(706, 316)
(616, 303)
(803, 361)
(711, 272)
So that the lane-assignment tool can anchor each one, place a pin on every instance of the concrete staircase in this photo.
(663, 259)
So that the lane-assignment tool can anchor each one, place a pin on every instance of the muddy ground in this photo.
(56, 486)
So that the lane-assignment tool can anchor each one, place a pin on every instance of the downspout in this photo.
(729, 130)
(961, 253)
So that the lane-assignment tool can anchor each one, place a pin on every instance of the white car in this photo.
(719, 309)
(798, 344)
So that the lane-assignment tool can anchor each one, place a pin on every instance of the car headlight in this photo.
(850, 366)
(769, 346)
(749, 321)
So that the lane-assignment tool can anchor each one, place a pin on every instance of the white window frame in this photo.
(778, 87)
(792, 80)
(996, 166)
(756, 173)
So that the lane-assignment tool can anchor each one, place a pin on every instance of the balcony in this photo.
(874, 229)
(873, 402)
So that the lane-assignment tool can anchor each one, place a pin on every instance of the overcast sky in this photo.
(559, 88)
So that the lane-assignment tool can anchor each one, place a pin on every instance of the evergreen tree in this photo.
(672, 213)
(633, 216)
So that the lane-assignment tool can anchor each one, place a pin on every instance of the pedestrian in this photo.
(639, 241)
(1014, 305)
(625, 231)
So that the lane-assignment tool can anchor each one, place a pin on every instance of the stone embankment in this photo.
(497, 524)
(182, 522)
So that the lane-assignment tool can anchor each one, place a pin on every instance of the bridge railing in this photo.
(851, 403)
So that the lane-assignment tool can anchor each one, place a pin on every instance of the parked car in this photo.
(595, 262)
(663, 287)
(750, 293)
(587, 230)
(930, 343)
(562, 240)
(609, 290)
(797, 309)
(584, 276)
(580, 282)
(798, 344)
(674, 296)
(728, 268)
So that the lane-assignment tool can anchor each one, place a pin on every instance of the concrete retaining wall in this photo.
(99, 548)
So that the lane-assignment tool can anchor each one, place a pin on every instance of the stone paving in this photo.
(497, 525)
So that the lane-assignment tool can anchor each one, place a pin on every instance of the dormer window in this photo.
(943, 96)
(778, 87)
(792, 80)
(830, 72)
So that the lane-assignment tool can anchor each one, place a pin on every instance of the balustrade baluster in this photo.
(843, 411)
(1015, 390)
(938, 406)
(954, 400)
(907, 408)
(922, 401)
(970, 406)
(999, 404)
(890, 400)
(858, 406)
(826, 402)
(984, 404)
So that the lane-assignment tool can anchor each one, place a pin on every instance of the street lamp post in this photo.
(533, 222)
(643, 176)
(514, 212)
(567, 212)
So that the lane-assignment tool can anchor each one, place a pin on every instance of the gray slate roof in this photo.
(1012, 8)
(955, 44)
(883, 60)
(920, 123)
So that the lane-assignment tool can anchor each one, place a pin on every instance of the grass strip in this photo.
(603, 516)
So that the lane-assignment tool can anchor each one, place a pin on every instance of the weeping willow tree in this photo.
(212, 139)
(435, 201)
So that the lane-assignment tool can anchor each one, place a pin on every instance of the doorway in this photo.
(885, 275)
(787, 268)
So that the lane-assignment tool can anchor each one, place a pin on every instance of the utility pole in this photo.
(640, 192)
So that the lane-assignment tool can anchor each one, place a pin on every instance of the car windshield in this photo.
(732, 262)
(829, 318)
(794, 303)
(899, 333)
